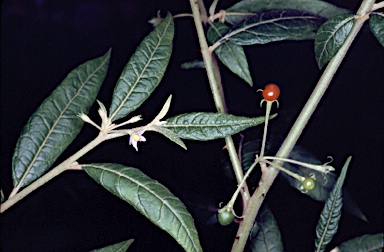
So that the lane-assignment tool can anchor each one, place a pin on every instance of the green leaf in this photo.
(376, 23)
(364, 243)
(193, 64)
(330, 216)
(230, 54)
(150, 198)
(208, 126)
(317, 7)
(170, 135)
(55, 123)
(118, 247)
(144, 70)
(331, 36)
(272, 26)
(265, 234)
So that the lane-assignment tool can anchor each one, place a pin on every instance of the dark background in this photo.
(43, 40)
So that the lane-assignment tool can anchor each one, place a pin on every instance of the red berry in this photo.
(271, 92)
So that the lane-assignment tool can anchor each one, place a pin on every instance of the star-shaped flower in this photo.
(136, 137)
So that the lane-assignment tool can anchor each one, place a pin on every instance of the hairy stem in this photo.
(65, 165)
(213, 77)
(258, 197)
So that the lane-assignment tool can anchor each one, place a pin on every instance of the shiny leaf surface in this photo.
(118, 247)
(274, 25)
(330, 216)
(376, 23)
(230, 54)
(331, 36)
(55, 123)
(150, 198)
(317, 7)
(144, 70)
(207, 126)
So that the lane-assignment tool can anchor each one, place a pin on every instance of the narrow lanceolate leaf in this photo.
(330, 216)
(265, 235)
(275, 25)
(376, 23)
(144, 70)
(230, 54)
(170, 135)
(331, 36)
(317, 7)
(55, 123)
(364, 243)
(150, 198)
(118, 247)
(207, 126)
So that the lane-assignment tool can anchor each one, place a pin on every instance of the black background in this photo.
(41, 41)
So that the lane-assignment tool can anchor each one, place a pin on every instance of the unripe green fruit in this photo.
(225, 218)
(309, 184)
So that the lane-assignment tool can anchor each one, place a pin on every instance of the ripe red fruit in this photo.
(271, 92)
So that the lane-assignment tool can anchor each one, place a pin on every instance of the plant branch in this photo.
(258, 197)
(213, 77)
(65, 165)
(378, 6)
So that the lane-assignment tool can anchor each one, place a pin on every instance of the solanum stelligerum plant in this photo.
(223, 36)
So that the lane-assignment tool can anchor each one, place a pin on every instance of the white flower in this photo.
(136, 137)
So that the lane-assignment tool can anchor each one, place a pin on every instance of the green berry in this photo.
(225, 218)
(309, 184)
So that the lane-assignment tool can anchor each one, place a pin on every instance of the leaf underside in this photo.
(171, 136)
(330, 216)
(55, 123)
(144, 70)
(150, 198)
(317, 7)
(208, 126)
(331, 36)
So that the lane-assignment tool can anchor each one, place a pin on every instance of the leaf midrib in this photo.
(57, 121)
(341, 25)
(141, 73)
(153, 193)
(245, 28)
